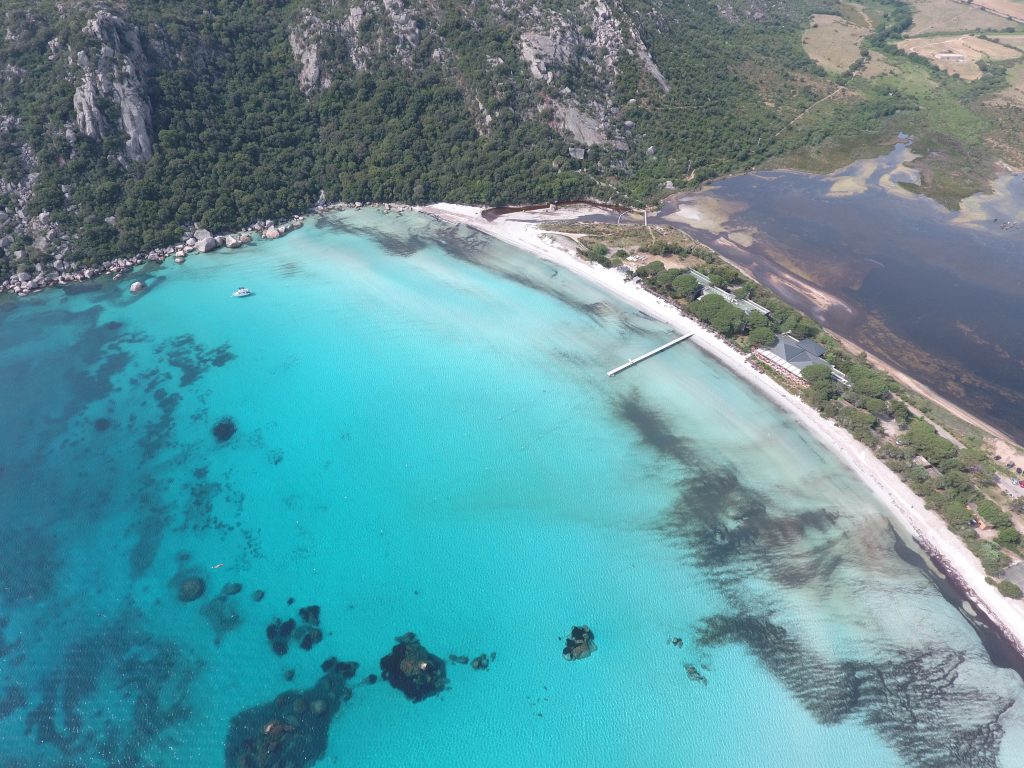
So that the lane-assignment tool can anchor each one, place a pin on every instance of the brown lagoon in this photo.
(937, 294)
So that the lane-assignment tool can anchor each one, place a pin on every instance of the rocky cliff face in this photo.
(328, 36)
(591, 43)
(572, 55)
(114, 71)
(594, 37)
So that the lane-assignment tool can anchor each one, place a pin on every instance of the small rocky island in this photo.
(413, 670)
(579, 644)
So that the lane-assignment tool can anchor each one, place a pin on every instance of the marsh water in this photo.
(938, 294)
(409, 426)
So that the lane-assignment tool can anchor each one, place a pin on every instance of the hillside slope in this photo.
(123, 123)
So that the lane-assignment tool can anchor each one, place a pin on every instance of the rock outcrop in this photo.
(413, 670)
(579, 644)
(116, 72)
(305, 39)
(586, 44)
(555, 43)
(397, 32)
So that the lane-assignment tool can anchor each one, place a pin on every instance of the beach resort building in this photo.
(790, 356)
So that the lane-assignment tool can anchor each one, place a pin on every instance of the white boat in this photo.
(242, 293)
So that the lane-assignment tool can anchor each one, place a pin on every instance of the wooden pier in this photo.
(652, 353)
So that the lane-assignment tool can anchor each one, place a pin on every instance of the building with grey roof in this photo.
(791, 356)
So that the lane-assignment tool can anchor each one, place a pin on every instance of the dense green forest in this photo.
(252, 107)
(235, 139)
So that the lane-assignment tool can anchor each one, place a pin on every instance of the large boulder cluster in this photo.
(290, 731)
(52, 269)
(308, 633)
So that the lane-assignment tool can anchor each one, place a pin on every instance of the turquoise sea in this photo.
(426, 441)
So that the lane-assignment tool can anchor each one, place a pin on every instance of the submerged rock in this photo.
(13, 699)
(224, 429)
(221, 615)
(333, 666)
(191, 589)
(579, 644)
(258, 595)
(694, 674)
(310, 614)
(278, 634)
(311, 638)
(413, 670)
(480, 662)
(231, 589)
(291, 731)
(458, 659)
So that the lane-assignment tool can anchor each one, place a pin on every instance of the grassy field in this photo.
(628, 237)
(1013, 94)
(833, 42)
(1013, 41)
(966, 129)
(878, 65)
(951, 132)
(951, 169)
(944, 107)
(1011, 8)
(932, 16)
(968, 49)
(863, 15)
(836, 152)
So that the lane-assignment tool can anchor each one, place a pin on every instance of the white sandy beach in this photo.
(907, 509)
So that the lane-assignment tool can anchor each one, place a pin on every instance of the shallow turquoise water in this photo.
(427, 441)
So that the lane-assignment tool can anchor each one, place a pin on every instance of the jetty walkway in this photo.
(652, 353)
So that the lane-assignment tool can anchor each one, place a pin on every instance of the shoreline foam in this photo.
(907, 510)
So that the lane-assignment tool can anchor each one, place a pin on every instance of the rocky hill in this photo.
(122, 124)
